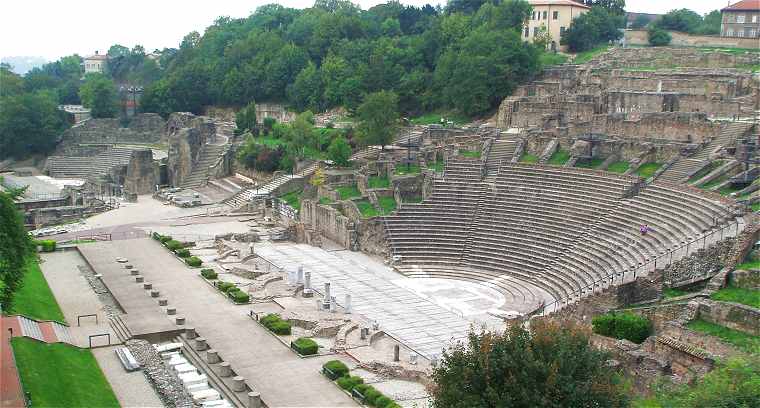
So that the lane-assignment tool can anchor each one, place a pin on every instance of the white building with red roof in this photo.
(95, 63)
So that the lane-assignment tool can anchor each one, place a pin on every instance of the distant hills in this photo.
(22, 65)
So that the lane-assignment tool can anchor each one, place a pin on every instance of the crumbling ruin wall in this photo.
(328, 221)
(142, 173)
(185, 147)
(674, 127)
(143, 128)
(733, 315)
(669, 57)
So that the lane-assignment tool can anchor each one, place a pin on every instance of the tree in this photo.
(99, 94)
(30, 123)
(245, 119)
(339, 151)
(301, 132)
(550, 365)
(640, 21)
(710, 23)
(318, 178)
(683, 20)
(658, 37)
(613, 6)
(598, 26)
(378, 118)
(15, 249)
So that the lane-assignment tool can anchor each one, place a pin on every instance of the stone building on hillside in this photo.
(741, 19)
(554, 17)
(95, 63)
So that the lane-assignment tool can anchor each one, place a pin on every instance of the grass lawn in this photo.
(325, 201)
(619, 167)
(348, 192)
(551, 58)
(587, 56)
(728, 189)
(293, 199)
(367, 209)
(434, 118)
(742, 341)
(755, 207)
(269, 141)
(436, 167)
(470, 153)
(675, 292)
(35, 299)
(413, 199)
(744, 296)
(378, 182)
(402, 169)
(59, 375)
(528, 158)
(749, 67)
(589, 164)
(748, 265)
(646, 170)
(387, 204)
(705, 170)
(559, 157)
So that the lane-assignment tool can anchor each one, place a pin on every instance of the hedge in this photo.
(238, 296)
(194, 261)
(165, 238)
(305, 346)
(624, 325)
(348, 383)
(47, 245)
(173, 245)
(156, 236)
(209, 273)
(183, 253)
(224, 286)
(335, 369)
(275, 324)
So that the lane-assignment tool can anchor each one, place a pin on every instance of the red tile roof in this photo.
(744, 5)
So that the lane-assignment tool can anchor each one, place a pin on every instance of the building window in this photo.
(561, 31)
(534, 15)
(544, 15)
(740, 18)
(535, 31)
(555, 15)
(730, 32)
(754, 18)
(527, 32)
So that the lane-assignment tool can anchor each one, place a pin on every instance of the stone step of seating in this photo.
(62, 332)
(30, 328)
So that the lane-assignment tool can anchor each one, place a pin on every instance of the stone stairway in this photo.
(120, 328)
(85, 167)
(684, 168)
(45, 331)
(200, 173)
(502, 151)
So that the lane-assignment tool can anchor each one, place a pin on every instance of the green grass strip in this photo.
(367, 209)
(744, 296)
(378, 182)
(403, 169)
(35, 299)
(705, 170)
(619, 167)
(559, 157)
(473, 154)
(743, 341)
(59, 375)
(348, 192)
(293, 199)
(647, 170)
(587, 56)
(528, 158)
(387, 204)
(589, 164)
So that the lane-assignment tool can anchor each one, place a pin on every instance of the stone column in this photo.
(200, 344)
(327, 295)
(299, 277)
(333, 304)
(190, 333)
(347, 303)
(254, 400)
(307, 280)
(212, 356)
(238, 384)
(224, 369)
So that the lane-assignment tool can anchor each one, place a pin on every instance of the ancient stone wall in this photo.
(143, 128)
(675, 127)
(185, 146)
(669, 57)
(641, 37)
(142, 173)
(733, 315)
(328, 221)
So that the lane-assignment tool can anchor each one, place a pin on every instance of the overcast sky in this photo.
(54, 28)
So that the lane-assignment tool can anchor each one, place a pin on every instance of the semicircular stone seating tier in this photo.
(553, 228)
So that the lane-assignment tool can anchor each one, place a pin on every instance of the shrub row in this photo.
(178, 248)
(194, 261)
(228, 288)
(305, 346)
(46, 245)
(337, 371)
(625, 325)
(275, 324)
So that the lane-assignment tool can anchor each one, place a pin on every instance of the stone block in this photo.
(128, 266)
(180, 320)
(147, 286)
(134, 272)
(200, 344)
(163, 302)
(238, 384)
(212, 356)
(154, 293)
(254, 400)
(190, 333)
(171, 311)
(224, 369)
(139, 279)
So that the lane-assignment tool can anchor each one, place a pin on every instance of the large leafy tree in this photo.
(598, 26)
(378, 118)
(30, 123)
(15, 249)
(613, 6)
(245, 119)
(99, 94)
(550, 365)
(683, 20)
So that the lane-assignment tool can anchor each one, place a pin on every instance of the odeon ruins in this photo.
(593, 188)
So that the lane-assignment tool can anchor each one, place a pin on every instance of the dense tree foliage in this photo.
(378, 118)
(687, 21)
(339, 151)
(15, 248)
(551, 365)
(613, 6)
(245, 119)
(641, 21)
(334, 53)
(598, 26)
(658, 37)
(98, 93)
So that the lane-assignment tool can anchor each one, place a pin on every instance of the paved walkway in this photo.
(282, 378)
(11, 394)
(424, 324)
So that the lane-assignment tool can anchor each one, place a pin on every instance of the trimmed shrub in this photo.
(165, 238)
(658, 37)
(183, 253)
(209, 274)
(371, 396)
(223, 286)
(156, 236)
(305, 346)
(383, 402)
(194, 261)
(275, 324)
(173, 245)
(238, 296)
(335, 369)
(361, 388)
(47, 245)
(348, 383)
(625, 325)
